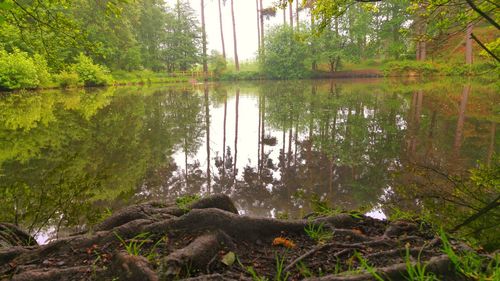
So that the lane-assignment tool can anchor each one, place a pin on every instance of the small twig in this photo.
(307, 254)
(211, 261)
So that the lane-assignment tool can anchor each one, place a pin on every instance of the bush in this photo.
(410, 68)
(67, 79)
(42, 70)
(218, 64)
(91, 74)
(285, 55)
(19, 71)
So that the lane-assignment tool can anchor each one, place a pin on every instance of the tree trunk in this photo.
(236, 62)
(284, 15)
(236, 133)
(263, 131)
(491, 149)
(222, 32)
(207, 127)
(261, 28)
(461, 120)
(468, 45)
(204, 40)
(258, 134)
(290, 10)
(224, 138)
(297, 15)
(258, 25)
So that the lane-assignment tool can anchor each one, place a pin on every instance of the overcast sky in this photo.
(246, 25)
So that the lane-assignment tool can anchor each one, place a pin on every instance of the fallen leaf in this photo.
(357, 231)
(228, 259)
(281, 241)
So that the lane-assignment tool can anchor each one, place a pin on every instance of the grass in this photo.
(135, 245)
(417, 271)
(280, 266)
(318, 233)
(184, 202)
(147, 77)
(369, 268)
(280, 274)
(470, 264)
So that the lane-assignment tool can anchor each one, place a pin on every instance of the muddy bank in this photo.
(210, 241)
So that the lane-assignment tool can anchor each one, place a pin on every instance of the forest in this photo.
(47, 44)
(258, 140)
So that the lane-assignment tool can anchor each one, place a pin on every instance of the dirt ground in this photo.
(210, 241)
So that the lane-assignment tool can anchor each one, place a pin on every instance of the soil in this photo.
(159, 241)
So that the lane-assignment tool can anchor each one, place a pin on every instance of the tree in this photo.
(181, 47)
(285, 55)
(222, 30)
(236, 61)
(203, 40)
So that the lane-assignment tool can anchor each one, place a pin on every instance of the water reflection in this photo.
(69, 158)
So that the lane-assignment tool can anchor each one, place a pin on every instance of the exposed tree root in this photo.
(132, 268)
(59, 274)
(440, 265)
(196, 255)
(196, 240)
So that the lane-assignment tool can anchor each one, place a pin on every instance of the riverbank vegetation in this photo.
(51, 45)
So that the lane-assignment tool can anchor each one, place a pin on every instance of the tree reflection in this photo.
(68, 157)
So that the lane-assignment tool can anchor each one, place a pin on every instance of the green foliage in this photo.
(470, 264)
(410, 68)
(18, 70)
(369, 268)
(417, 271)
(252, 272)
(90, 74)
(280, 275)
(184, 202)
(135, 245)
(181, 46)
(67, 79)
(217, 63)
(285, 55)
(317, 232)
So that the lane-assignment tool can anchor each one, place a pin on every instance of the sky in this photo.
(246, 25)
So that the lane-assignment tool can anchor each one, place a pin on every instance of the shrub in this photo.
(218, 63)
(285, 55)
(67, 79)
(18, 70)
(408, 68)
(42, 70)
(91, 74)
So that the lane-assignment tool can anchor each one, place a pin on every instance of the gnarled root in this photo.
(194, 256)
(440, 265)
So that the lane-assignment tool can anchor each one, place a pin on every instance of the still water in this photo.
(70, 158)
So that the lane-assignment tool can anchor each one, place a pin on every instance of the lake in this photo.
(70, 158)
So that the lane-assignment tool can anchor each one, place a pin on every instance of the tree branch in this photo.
(483, 14)
(495, 203)
(484, 47)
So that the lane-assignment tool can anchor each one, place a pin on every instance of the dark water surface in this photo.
(69, 158)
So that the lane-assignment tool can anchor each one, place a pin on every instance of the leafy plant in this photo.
(252, 272)
(280, 266)
(135, 245)
(317, 232)
(67, 79)
(304, 270)
(184, 202)
(370, 269)
(417, 271)
(18, 70)
(470, 264)
(91, 74)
